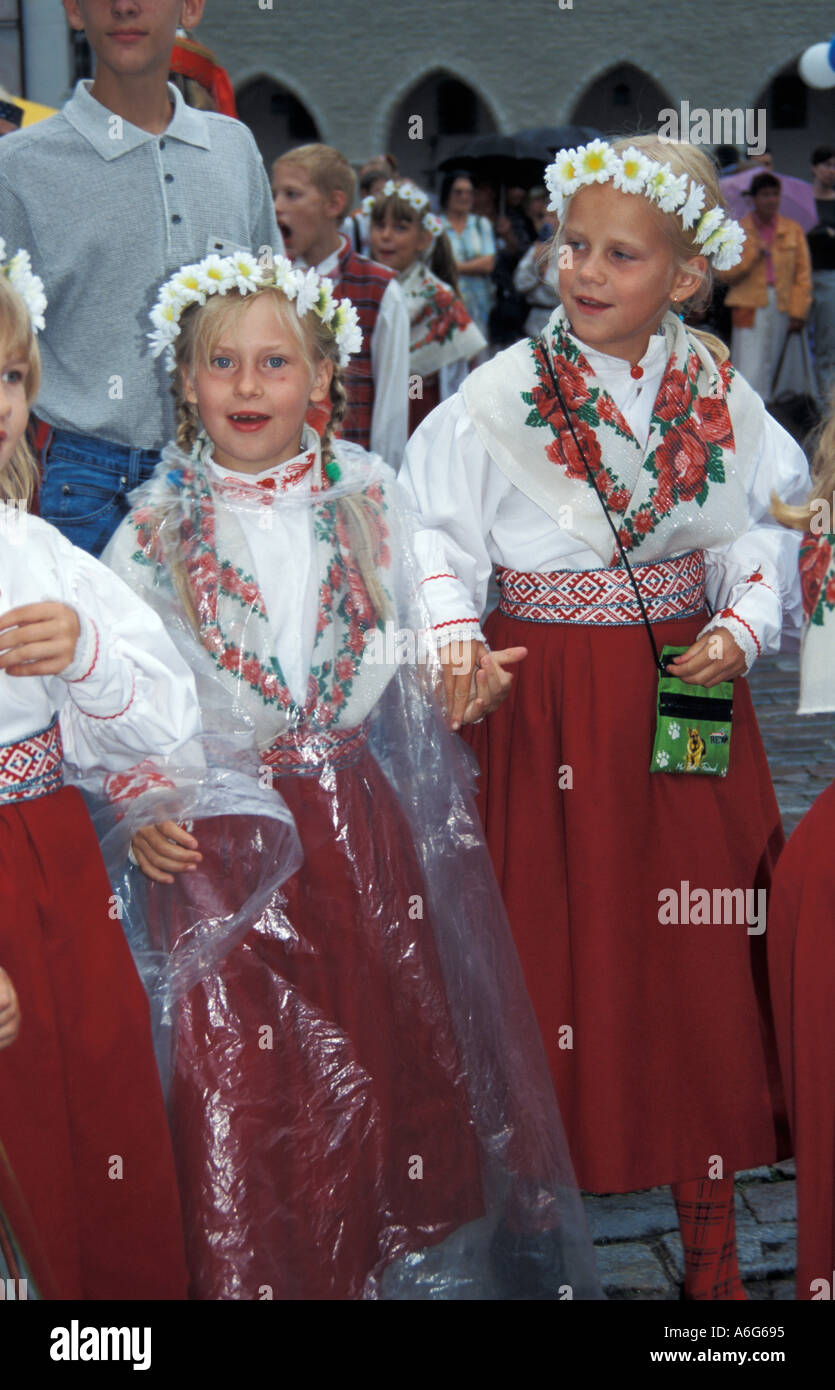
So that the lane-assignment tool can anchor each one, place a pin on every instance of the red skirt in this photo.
(801, 947)
(83, 1119)
(319, 1112)
(659, 1036)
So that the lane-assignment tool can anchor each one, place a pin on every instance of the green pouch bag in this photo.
(693, 728)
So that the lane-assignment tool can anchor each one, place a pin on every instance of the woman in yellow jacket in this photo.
(771, 291)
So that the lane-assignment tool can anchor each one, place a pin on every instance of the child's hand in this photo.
(471, 687)
(9, 1011)
(158, 853)
(38, 639)
(697, 666)
(492, 681)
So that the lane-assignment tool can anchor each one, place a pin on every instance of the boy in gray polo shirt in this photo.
(110, 197)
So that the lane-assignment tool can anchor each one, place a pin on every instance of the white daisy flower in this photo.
(563, 176)
(432, 225)
(346, 326)
(692, 208)
(246, 271)
(325, 305)
(632, 172)
(708, 224)
(597, 162)
(658, 181)
(286, 278)
(727, 251)
(215, 274)
(368, 204)
(164, 314)
(187, 287)
(673, 193)
(162, 338)
(308, 293)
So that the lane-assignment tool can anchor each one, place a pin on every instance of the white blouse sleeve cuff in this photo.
(741, 631)
(86, 655)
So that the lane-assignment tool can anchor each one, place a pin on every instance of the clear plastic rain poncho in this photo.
(359, 1099)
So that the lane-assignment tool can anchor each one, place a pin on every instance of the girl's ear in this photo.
(187, 386)
(688, 278)
(323, 376)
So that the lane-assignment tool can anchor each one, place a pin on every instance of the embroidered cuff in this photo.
(741, 631)
(86, 652)
(90, 714)
(457, 630)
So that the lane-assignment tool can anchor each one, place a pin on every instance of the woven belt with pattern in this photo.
(33, 766)
(605, 597)
(305, 753)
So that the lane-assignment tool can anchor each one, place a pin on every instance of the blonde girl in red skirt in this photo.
(89, 681)
(622, 433)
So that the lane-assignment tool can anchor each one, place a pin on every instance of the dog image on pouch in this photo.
(695, 750)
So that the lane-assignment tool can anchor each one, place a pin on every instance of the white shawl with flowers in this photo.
(687, 489)
(440, 329)
(184, 534)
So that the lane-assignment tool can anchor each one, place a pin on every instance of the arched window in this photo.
(276, 117)
(796, 119)
(621, 101)
(450, 111)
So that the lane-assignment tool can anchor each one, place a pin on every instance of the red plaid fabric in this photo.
(364, 283)
(708, 1233)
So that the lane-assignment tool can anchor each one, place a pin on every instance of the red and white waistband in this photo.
(32, 766)
(305, 753)
(605, 597)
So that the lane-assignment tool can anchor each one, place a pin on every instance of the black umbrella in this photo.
(501, 159)
(560, 137)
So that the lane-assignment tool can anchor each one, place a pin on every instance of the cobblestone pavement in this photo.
(636, 1235)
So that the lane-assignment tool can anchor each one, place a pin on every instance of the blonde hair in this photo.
(19, 478)
(327, 168)
(200, 330)
(821, 447)
(686, 159)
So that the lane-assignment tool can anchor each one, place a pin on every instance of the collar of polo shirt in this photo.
(99, 125)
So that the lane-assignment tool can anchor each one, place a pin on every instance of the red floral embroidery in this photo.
(683, 455)
(715, 421)
(815, 559)
(674, 396)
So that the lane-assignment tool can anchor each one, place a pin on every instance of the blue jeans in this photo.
(84, 485)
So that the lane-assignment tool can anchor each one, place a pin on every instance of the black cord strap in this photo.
(602, 501)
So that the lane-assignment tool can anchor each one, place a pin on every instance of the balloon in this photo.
(815, 67)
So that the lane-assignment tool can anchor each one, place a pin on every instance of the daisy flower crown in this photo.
(411, 194)
(718, 237)
(18, 272)
(310, 292)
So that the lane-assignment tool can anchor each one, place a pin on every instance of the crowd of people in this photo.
(287, 1008)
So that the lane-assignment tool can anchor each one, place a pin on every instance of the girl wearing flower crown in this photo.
(408, 237)
(89, 682)
(657, 1034)
(346, 1078)
(801, 957)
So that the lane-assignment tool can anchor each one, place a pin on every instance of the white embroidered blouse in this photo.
(474, 518)
(127, 693)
